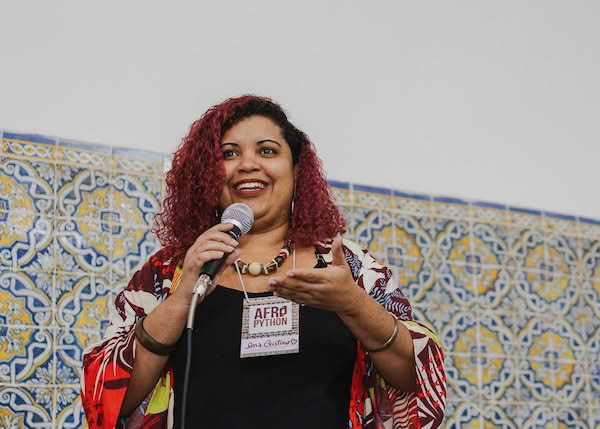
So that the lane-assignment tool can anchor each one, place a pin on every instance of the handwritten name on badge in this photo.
(270, 318)
(270, 326)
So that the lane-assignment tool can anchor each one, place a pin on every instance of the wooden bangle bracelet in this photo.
(150, 343)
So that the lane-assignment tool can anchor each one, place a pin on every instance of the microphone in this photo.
(242, 218)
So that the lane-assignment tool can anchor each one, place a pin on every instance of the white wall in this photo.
(497, 101)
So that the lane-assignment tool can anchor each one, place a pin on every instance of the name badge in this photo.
(269, 327)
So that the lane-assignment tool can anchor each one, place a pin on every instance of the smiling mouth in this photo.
(250, 186)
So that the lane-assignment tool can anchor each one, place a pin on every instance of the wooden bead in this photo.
(254, 268)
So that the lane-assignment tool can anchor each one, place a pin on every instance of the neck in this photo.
(264, 239)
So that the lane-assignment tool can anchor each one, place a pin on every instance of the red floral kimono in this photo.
(107, 365)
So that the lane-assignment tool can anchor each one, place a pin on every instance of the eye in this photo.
(269, 151)
(227, 154)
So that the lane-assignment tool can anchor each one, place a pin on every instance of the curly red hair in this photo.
(196, 179)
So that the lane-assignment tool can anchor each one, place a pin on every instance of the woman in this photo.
(361, 360)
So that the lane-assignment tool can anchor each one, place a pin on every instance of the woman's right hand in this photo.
(211, 244)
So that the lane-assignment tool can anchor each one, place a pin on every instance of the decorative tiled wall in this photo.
(514, 294)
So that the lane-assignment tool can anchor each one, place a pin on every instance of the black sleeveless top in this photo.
(310, 389)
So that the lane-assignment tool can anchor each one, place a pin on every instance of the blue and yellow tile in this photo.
(341, 192)
(538, 377)
(27, 186)
(411, 236)
(412, 204)
(373, 230)
(347, 212)
(25, 354)
(83, 193)
(434, 302)
(135, 199)
(570, 380)
(414, 277)
(485, 212)
(372, 197)
(25, 298)
(525, 218)
(459, 281)
(582, 319)
(562, 254)
(132, 161)
(489, 244)
(465, 415)
(527, 249)
(82, 302)
(590, 265)
(560, 223)
(69, 410)
(499, 416)
(25, 240)
(572, 418)
(452, 208)
(535, 416)
(73, 152)
(593, 350)
(589, 228)
(83, 246)
(69, 346)
(132, 247)
(28, 146)
(544, 291)
(462, 375)
(493, 284)
(25, 407)
(455, 241)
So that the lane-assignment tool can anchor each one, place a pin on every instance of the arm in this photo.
(118, 373)
(168, 320)
(372, 325)
(407, 377)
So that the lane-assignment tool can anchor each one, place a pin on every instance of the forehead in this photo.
(252, 129)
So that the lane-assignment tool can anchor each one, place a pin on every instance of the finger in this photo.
(338, 251)
(210, 255)
(214, 245)
(296, 286)
(230, 260)
(233, 256)
(223, 227)
(313, 275)
(218, 236)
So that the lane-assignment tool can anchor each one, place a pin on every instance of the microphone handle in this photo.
(211, 268)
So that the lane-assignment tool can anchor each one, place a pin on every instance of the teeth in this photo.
(250, 185)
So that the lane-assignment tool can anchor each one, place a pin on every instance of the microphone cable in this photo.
(242, 218)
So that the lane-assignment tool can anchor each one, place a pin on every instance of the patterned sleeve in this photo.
(107, 365)
(383, 405)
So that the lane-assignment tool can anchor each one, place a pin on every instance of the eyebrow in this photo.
(258, 142)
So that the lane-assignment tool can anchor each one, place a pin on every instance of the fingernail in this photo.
(230, 248)
(273, 282)
(291, 274)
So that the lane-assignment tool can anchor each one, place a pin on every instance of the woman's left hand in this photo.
(331, 288)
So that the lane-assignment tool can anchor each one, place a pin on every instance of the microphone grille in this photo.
(241, 214)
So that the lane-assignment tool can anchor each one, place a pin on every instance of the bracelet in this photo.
(390, 340)
(150, 343)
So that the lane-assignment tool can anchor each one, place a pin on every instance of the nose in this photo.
(248, 163)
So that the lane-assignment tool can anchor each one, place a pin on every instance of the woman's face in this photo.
(259, 171)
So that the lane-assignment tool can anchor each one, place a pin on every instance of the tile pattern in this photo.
(513, 293)
(75, 223)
